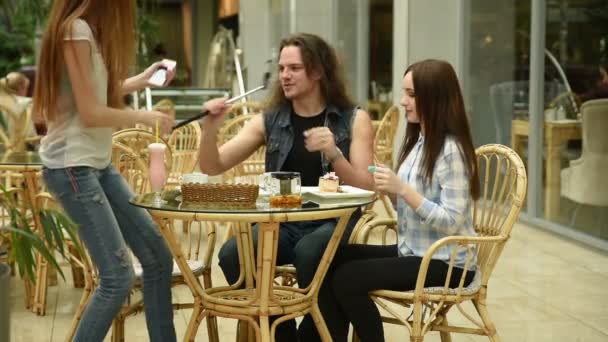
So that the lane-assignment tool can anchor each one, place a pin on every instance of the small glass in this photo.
(158, 172)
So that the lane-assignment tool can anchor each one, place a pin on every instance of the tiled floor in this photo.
(544, 288)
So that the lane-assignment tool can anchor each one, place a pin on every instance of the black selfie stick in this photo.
(229, 101)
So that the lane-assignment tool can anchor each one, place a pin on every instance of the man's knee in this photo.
(310, 248)
(229, 260)
(308, 253)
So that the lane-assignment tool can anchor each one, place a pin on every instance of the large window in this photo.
(575, 193)
(571, 191)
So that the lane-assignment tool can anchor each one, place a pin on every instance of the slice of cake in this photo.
(329, 182)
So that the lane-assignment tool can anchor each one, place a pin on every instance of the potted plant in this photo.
(24, 243)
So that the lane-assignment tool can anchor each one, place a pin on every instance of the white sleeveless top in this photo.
(68, 143)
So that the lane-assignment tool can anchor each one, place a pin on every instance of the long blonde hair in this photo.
(112, 22)
(13, 82)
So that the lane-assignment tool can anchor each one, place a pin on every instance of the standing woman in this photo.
(434, 188)
(87, 50)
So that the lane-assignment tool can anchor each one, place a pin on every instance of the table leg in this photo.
(244, 243)
(328, 256)
(552, 181)
(516, 144)
(189, 278)
(268, 237)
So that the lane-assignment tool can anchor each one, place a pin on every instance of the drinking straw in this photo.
(157, 131)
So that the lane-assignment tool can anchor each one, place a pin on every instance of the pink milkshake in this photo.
(158, 172)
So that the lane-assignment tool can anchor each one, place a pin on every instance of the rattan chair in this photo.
(385, 136)
(198, 260)
(255, 163)
(83, 263)
(129, 148)
(14, 186)
(503, 180)
(244, 108)
(185, 143)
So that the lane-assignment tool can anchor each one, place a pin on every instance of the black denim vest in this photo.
(279, 134)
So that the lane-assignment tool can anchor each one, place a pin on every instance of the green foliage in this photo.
(18, 22)
(25, 242)
(147, 31)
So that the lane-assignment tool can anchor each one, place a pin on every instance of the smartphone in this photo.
(310, 204)
(159, 77)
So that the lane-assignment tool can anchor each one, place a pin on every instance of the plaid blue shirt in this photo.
(446, 208)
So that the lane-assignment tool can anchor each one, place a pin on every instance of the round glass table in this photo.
(254, 297)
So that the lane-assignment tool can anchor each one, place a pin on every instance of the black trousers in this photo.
(359, 269)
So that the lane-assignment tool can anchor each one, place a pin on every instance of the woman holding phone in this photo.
(87, 50)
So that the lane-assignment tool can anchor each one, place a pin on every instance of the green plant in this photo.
(147, 31)
(19, 20)
(25, 242)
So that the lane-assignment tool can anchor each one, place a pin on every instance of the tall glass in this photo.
(158, 172)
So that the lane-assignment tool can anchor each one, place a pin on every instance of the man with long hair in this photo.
(311, 126)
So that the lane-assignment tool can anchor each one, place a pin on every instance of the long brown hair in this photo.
(441, 110)
(112, 23)
(317, 56)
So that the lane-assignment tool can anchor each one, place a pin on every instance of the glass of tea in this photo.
(283, 189)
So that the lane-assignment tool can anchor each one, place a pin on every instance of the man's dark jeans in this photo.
(301, 244)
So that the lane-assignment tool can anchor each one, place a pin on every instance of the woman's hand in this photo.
(320, 139)
(387, 181)
(149, 118)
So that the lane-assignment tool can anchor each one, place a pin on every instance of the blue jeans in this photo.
(301, 244)
(98, 202)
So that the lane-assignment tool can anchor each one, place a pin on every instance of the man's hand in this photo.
(217, 108)
(321, 139)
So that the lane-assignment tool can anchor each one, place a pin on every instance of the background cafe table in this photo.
(28, 164)
(254, 301)
(555, 133)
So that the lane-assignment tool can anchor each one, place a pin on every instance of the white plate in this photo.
(346, 191)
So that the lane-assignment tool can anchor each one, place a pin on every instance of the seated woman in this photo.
(434, 189)
(16, 84)
(14, 87)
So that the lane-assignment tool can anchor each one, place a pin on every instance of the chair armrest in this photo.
(467, 242)
(576, 162)
(33, 139)
(360, 234)
(367, 216)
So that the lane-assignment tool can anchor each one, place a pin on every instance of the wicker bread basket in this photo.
(219, 193)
